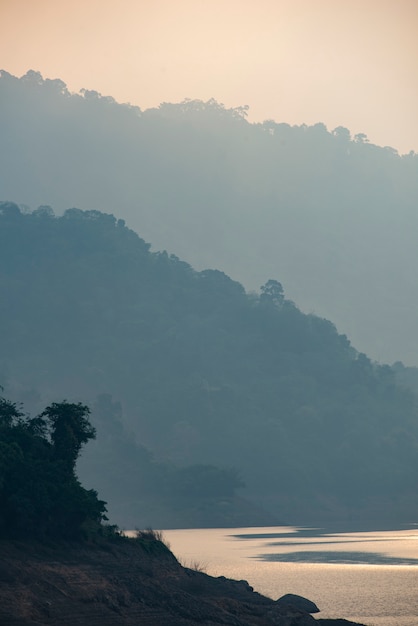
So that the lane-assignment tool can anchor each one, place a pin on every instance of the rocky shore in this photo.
(127, 582)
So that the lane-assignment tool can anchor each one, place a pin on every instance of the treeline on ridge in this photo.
(331, 213)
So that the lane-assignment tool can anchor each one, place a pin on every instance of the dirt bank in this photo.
(125, 582)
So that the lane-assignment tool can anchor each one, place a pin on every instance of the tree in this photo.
(40, 495)
(272, 292)
(69, 428)
(361, 138)
(9, 413)
(342, 133)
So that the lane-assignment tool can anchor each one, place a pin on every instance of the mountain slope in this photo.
(334, 216)
(207, 374)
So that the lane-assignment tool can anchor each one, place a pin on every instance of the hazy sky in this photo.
(342, 62)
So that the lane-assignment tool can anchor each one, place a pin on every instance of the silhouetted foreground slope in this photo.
(129, 583)
(51, 574)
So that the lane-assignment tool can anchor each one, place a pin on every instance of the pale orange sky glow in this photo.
(341, 62)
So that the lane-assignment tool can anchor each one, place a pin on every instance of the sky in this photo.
(351, 63)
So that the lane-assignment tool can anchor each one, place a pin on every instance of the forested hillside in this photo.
(40, 495)
(244, 386)
(332, 215)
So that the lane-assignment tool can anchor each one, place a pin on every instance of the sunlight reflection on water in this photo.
(369, 577)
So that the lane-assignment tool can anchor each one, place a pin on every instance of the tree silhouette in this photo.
(40, 495)
(70, 429)
(272, 292)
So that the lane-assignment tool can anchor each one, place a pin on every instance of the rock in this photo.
(298, 602)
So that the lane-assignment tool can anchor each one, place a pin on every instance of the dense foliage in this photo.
(40, 495)
(208, 375)
(332, 214)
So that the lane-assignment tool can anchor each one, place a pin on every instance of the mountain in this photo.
(219, 388)
(333, 215)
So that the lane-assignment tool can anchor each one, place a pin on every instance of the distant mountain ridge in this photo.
(207, 376)
(334, 216)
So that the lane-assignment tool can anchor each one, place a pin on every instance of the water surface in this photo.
(367, 576)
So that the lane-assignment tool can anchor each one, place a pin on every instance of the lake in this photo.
(360, 575)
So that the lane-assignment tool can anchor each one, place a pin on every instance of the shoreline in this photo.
(127, 582)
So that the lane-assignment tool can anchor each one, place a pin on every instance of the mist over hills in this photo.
(197, 387)
(334, 217)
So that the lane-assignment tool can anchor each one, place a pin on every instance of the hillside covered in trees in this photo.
(330, 214)
(40, 495)
(218, 387)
